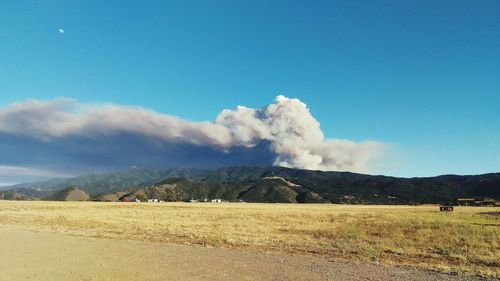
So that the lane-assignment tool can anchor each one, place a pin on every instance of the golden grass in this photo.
(462, 241)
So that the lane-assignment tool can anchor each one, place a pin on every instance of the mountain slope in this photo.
(174, 190)
(70, 194)
(23, 194)
(114, 182)
(262, 190)
(270, 191)
(277, 184)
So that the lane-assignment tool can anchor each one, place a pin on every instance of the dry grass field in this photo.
(466, 240)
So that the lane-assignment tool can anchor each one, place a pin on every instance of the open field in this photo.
(50, 256)
(464, 241)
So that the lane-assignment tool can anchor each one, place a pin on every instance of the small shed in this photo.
(446, 208)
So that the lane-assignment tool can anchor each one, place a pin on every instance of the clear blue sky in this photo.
(423, 76)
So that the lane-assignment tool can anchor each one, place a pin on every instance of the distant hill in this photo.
(23, 194)
(277, 184)
(271, 190)
(113, 182)
(70, 194)
(176, 189)
(113, 197)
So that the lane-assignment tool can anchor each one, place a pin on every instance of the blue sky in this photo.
(422, 76)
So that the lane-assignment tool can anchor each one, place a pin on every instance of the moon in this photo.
(61, 30)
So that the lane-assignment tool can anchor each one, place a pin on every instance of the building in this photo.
(466, 201)
(489, 202)
(477, 202)
(446, 208)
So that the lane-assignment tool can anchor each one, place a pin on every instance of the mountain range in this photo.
(264, 184)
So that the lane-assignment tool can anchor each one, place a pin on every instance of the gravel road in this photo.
(45, 256)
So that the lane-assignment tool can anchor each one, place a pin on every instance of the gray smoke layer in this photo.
(294, 135)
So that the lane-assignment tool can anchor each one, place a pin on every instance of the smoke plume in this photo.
(291, 135)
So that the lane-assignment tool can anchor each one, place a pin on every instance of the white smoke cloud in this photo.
(294, 135)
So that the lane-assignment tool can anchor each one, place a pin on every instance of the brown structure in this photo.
(446, 208)
(490, 202)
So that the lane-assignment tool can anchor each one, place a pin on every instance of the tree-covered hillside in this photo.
(277, 184)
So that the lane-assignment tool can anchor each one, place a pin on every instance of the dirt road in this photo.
(45, 256)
